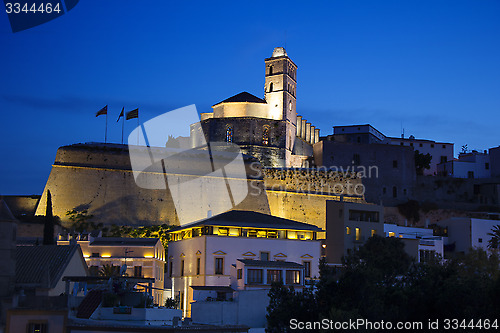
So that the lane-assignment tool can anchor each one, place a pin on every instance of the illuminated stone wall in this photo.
(99, 178)
(301, 194)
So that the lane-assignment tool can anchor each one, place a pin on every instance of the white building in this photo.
(468, 165)
(464, 233)
(425, 243)
(205, 253)
(440, 151)
(144, 257)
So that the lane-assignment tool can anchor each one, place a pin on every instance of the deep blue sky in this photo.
(433, 66)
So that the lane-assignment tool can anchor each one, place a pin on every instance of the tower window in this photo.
(271, 87)
(229, 134)
(271, 70)
(265, 136)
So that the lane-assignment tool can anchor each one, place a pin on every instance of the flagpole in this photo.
(138, 127)
(123, 124)
(106, 129)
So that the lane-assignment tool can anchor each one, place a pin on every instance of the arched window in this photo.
(229, 134)
(270, 87)
(265, 136)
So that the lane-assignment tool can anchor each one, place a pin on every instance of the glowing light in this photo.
(86, 256)
(106, 256)
(148, 256)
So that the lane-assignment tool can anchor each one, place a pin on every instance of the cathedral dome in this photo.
(279, 52)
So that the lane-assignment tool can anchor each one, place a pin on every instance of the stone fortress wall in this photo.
(99, 178)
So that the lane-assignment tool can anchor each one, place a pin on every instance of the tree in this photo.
(48, 228)
(422, 162)
(109, 271)
(494, 242)
(82, 221)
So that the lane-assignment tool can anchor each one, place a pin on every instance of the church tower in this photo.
(280, 89)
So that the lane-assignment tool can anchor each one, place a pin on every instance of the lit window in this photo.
(392, 234)
(358, 234)
(292, 277)
(374, 232)
(262, 233)
(37, 328)
(292, 235)
(265, 136)
(347, 230)
(229, 134)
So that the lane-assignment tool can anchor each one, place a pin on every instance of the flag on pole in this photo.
(132, 114)
(121, 115)
(102, 111)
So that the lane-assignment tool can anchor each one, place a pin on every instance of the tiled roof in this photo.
(42, 266)
(268, 263)
(244, 218)
(243, 97)
(124, 241)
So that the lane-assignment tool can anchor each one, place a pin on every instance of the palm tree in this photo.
(109, 271)
(494, 242)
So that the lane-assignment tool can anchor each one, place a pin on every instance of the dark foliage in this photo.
(48, 227)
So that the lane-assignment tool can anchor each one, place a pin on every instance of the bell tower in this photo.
(280, 90)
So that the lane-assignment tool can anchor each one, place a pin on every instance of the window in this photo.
(271, 87)
(264, 256)
(394, 192)
(307, 269)
(391, 234)
(420, 145)
(239, 274)
(444, 146)
(229, 134)
(384, 190)
(265, 136)
(182, 267)
(271, 70)
(411, 144)
(487, 166)
(292, 277)
(254, 276)
(274, 275)
(198, 266)
(170, 270)
(480, 240)
(470, 174)
(358, 234)
(219, 266)
(444, 159)
(374, 232)
(432, 145)
(395, 164)
(402, 144)
(37, 328)
(359, 139)
(95, 254)
(137, 271)
(347, 230)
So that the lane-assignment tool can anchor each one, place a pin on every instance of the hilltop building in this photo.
(467, 165)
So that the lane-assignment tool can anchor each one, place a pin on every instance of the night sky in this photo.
(432, 67)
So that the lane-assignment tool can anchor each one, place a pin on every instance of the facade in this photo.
(366, 134)
(144, 257)
(263, 128)
(440, 151)
(420, 243)
(468, 165)
(464, 233)
(349, 225)
(387, 172)
(204, 253)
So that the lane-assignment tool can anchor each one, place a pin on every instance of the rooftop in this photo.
(124, 241)
(243, 218)
(243, 97)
